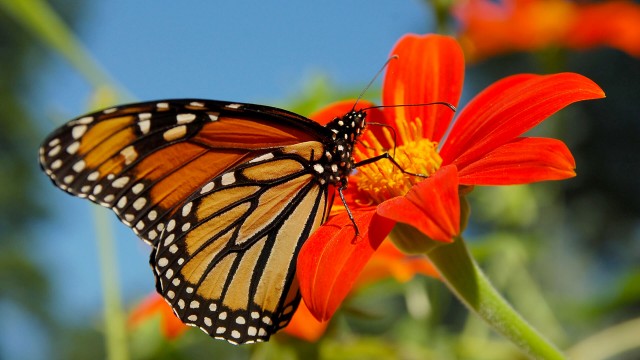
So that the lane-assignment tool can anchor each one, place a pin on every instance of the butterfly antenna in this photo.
(449, 105)
(386, 63)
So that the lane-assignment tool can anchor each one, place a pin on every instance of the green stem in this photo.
(115, 325)
(40, 19)
(463, 276)
(466, 280)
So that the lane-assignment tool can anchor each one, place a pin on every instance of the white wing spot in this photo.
(163, 262)
(122, 202)
(192, 317)
(171, 294)
(152, 234)
(54, 142)
(169, 273)
(235, 334)
(185, 118)
(180, 261)
(71, 149)
(228, 178)
(140, 225)
(221, 330)
(196, 104)
(85, 188)
(111, 110)
(144, 116)
(93, 176)
(152, 215)
(266, 156)
(130, 154)
(255, 315)
(189, 290)
(109, 198)
(56, 164)
(144, 125)
(318, 168)
(173, 249)
(194, 304)
(240, 320)
(175, 133)
(234, 106)
(169, 240)
(68, 179)
(213, 116)
(79, 166)
(187, 209)
(139, 203)
(171, 225)
(213, 307)
(78, 131)
(267, 320)
(129, 217)
(223, 315)
(252, 331)
(162, 105)
(186, 226)
(55, 151)
(207, 188)
(207, 321)
(97, 189)
(176, 282)
(262, 332)
(137, 188)
(181, 304)
(120, 182)
(85, 120)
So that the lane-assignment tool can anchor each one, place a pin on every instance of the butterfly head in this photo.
(345, 132)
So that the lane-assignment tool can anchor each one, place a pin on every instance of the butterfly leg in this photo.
(390, 158)
(348, 210)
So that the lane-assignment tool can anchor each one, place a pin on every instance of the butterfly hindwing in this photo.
(226, 261)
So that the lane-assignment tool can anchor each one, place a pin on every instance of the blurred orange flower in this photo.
(155, 306)
(490, 28)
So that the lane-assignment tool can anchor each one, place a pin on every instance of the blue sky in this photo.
(263, 52)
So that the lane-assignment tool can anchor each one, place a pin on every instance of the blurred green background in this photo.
(563, 253)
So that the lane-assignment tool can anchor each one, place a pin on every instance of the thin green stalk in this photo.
(609, 342)
(40, 19)
(466, 280)
(115, 325)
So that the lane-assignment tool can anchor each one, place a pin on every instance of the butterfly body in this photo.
(226, 194)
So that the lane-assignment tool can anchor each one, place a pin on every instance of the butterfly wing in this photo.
(225, 192)
(142, 160)
(230, 268)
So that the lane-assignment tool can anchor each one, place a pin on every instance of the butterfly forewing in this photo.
(142, 160)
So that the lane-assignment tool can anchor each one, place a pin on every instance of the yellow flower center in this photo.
(382, 179)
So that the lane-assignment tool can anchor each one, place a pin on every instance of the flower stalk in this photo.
(468, 283)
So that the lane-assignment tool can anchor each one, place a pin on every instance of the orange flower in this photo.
(154, 305)
(490, 28)
(483, 147)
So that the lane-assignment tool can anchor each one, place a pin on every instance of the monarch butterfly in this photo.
(225, 193)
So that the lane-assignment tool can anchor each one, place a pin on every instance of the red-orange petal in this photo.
(432, 206)
(522, 161)
(340, 108)
(333, 257)
(388, 261)
(507, 109)
(429, 68)
(304, 325)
